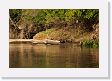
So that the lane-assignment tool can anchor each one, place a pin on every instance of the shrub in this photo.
(90, 43)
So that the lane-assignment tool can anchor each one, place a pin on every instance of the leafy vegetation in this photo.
(56, 17)
(15, 14)
(90, 43)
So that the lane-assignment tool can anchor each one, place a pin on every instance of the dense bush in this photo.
(90, 43)
(15, 14)
(54, 17)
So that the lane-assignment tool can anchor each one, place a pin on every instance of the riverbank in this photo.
(71, 35)
(64, 35)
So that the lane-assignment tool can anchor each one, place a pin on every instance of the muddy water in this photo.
(52, 56)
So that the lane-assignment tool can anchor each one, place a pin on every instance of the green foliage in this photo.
(70, 16)
(40, 17)
(90, 43)
(15, 14)
(48, 16)
(48, 31)
(87, 13)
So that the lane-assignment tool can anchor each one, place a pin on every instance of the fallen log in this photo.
(20, 41)
(37, 41)
(48, 41)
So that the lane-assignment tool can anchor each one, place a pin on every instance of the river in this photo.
(52, 56)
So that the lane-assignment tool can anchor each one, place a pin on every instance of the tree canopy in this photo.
(55, 16)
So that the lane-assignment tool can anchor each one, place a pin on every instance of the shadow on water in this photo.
(52, 56)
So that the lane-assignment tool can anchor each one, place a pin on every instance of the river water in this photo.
(52, 56)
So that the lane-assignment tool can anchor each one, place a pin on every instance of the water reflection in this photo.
(52, 56)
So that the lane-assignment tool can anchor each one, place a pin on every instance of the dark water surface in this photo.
(52, 56)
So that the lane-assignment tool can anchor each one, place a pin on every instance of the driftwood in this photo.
(46, 41)
(37, 41)
(20, 40)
